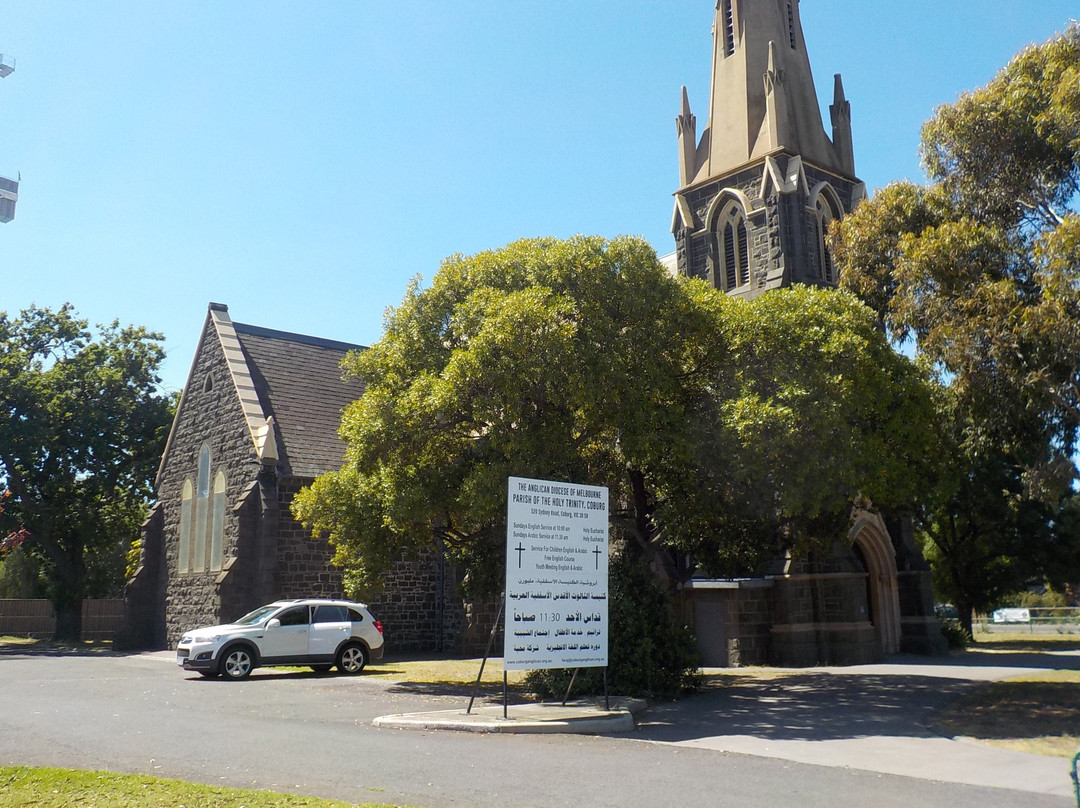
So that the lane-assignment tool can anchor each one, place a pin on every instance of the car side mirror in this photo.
(273, 623)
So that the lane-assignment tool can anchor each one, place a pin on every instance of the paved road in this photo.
(313, 735)
(869, 717)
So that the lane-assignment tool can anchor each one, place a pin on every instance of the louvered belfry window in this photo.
(825, 217)
(731, 266)
(734, 248)
(729, 27)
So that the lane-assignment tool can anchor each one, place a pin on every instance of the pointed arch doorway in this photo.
(871, 540)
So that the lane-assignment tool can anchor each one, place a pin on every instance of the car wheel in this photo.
(237, 663)
(351, 658)
(321, 668)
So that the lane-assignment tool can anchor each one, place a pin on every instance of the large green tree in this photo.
(82, 429)
(979, 272)
(726, 430)
(563, 360)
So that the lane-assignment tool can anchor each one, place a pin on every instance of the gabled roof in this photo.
(298, 381)
(290, 389)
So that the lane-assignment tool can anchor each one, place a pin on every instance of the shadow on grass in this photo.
(31, 647)
(1010, 710)
(486, 691)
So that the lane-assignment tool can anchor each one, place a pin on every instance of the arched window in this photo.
(217, 532)
(204, 471)
(727, 19)
(734, 248)
(202, 497)
(825, 217)
(183, 559)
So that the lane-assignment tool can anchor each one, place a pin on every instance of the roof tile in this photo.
(299, 381)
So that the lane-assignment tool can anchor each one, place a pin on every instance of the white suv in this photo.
(313, 632)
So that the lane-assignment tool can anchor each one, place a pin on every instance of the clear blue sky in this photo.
(300, 161)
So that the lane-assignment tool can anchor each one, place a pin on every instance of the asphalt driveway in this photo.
(314, 735)
(872, 718)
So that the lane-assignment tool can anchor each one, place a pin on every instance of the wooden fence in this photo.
(101, 619)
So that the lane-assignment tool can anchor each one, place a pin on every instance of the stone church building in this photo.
(256, 422)
(258, 417)
(759, 189)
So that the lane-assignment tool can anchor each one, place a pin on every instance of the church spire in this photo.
(763, 95)
(764, 181)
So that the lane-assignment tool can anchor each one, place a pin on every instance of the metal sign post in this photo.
(483, 662)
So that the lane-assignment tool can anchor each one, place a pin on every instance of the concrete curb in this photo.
(579, 717)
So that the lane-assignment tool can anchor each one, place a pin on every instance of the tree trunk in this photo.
(68, 622)
(68, 594)
(966, 614)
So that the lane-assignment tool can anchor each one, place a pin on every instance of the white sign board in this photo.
(1012, 616)
(556, 575)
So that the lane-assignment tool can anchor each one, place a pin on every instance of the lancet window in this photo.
(183, 559)
(825, 217)
(217, 531)
(734, 248)
(202, 501)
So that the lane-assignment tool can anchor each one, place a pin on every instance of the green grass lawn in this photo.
(452, 672)
(1022, 641)
(9, 640)
(61, 788)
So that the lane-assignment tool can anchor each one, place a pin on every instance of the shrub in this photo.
(20, 576)
(650, 653)
(956, 635)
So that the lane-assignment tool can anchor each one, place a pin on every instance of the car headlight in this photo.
(185, 640)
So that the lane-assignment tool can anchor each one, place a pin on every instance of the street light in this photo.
(9, 188)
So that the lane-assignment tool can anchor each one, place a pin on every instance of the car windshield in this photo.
(254, 617)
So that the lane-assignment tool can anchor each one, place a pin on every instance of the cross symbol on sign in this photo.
(519, 550)
(596, 553)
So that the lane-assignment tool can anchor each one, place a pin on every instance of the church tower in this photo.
(764, 181)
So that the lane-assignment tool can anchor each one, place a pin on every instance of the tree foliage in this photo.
(560, 360)
(83, 428)
(813, 412)
(650, 654)
(979, 270)
(725, 429)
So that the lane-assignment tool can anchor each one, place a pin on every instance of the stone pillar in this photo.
(920, 630)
